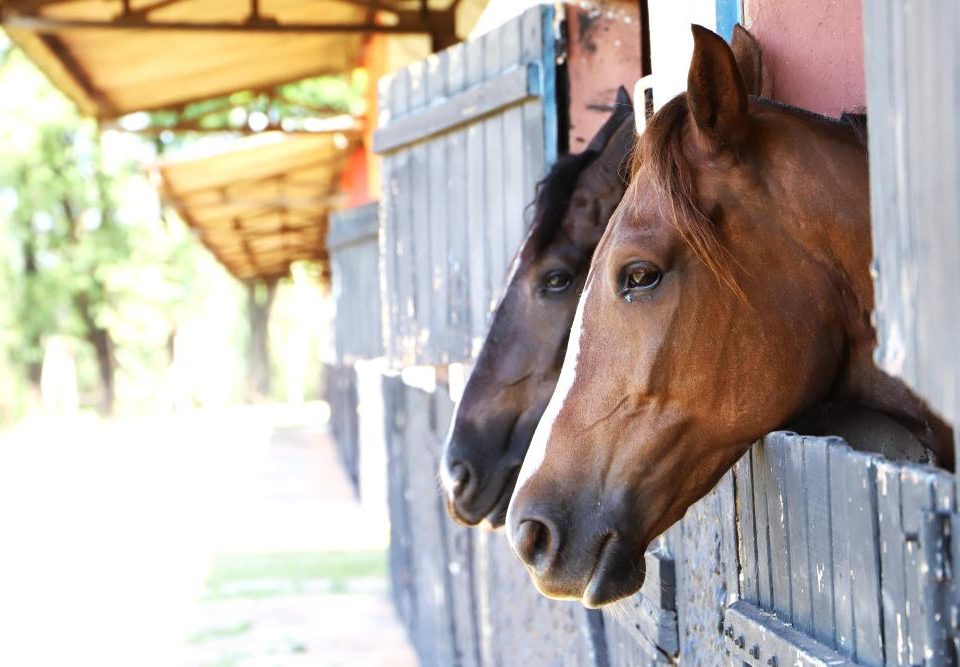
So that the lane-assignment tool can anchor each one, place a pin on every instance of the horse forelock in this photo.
(554, 194)
(660, 149)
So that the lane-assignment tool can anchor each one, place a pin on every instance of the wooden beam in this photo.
(188, 126)
(262, 25)
(513, 87)
(49, 61)
(276, 203)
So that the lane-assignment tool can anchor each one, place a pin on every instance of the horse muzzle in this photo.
(587, 560)
(476, 493)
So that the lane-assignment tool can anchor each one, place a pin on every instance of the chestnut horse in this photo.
(520, 360)
(729, 296)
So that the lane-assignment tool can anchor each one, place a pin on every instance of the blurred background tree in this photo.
(85, 254)
(90, 259)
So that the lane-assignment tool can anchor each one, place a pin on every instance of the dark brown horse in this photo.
(520, 360)
(729, 296)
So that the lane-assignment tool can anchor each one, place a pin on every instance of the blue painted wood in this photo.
(729, 13)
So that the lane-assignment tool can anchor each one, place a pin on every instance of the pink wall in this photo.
(812, 52)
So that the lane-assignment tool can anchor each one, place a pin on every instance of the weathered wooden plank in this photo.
(535, 159)
(390, 304)
(459, 566)
(936, 542)
(862, 534)
(353, 244)
(777, 503)
(761, 475)
(891, 563)
(840, 548)
(401, 534)
(353, 226)
(420, 223)
(432, 633)
(820, 559)
(916, 497)
(493, 164)
(484, 584)
(913, 82)
(488, 98)
(403, 280)
(660, 584)
(511, 41)
(421, 233)
(458, 249)
(747, 542)
(796, 491)
(476, 207)
(436, 351)
(514, 196)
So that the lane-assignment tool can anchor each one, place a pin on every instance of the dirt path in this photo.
(200, 540)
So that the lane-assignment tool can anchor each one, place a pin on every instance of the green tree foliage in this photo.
(83, 251)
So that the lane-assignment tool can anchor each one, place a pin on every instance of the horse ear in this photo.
(716, 95)
(746, 51)
(622, 109)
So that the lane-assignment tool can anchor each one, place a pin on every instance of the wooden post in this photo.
(913, 79)
(260, 296)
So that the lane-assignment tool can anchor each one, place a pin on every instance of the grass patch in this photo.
(282, 573)
(209, 634)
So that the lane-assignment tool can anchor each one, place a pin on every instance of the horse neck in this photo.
(832, 220)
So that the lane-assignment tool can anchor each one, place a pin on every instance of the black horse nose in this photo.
(536, 541)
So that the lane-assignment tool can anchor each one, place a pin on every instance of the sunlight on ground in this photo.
(205, 538)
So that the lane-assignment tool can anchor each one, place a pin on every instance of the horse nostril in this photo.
(459, 476)
(534, 543)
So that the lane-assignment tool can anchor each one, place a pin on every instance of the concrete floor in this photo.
(109, 533)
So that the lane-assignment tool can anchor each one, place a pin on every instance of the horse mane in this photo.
(661, 148)
(553, 195)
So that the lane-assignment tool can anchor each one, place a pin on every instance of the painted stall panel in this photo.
(850, 546)
(604, 52)
(812, 52)
(913, 85)
(464, 137)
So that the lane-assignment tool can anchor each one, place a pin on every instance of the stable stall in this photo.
(807, 552)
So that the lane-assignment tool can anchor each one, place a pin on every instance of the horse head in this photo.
(729, 295)
(519, 362)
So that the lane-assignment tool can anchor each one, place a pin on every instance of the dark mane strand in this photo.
(553, 196)
(661, 149)
(855, 120)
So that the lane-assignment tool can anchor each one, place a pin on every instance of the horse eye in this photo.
(639, 277)
(557, 281)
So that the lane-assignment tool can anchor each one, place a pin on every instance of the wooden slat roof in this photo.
(158, 54)
(263, 203)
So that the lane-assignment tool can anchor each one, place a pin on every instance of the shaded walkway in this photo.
(194, 540)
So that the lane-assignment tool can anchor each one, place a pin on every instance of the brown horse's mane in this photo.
(554, 193)
(661, 146)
